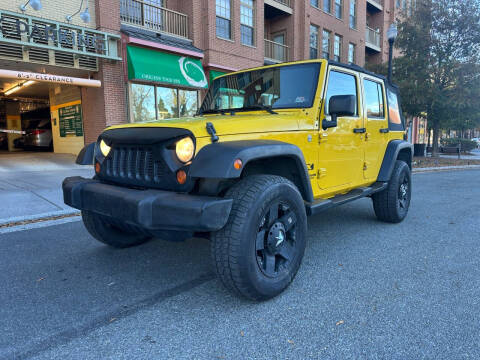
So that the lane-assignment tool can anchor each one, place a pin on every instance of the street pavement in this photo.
(31, 184)
(366, 290)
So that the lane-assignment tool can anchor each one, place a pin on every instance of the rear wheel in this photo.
(116, 235)
(391, 205)
(259, 251)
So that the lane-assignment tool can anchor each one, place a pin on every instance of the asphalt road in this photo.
(366, 290)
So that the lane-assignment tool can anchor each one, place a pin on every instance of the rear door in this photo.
(341, 152)
(376, 136)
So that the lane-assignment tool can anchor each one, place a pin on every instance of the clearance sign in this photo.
(58, 79)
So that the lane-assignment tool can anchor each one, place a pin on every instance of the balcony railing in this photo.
(372, 37)
(153, 17)
(276, 52)
(284, 2)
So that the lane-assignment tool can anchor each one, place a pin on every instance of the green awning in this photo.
(151, 65)
(214, 74)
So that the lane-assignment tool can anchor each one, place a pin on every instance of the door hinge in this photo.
(365, 166)
(321, 173)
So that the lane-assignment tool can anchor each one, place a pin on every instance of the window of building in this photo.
(327, 6)
(314, 3)
(326, 44)
(313, 42)
(374, 99)
(337, 46)
(223, 19)
(340, 83)
(404, 4)
(150, 102)
(247, 22)
(351, 53)
(338, 9)
(353, 11)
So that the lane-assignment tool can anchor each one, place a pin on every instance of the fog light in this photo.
(104, 148)
(181, 177)
(97, 167)
(237, 164)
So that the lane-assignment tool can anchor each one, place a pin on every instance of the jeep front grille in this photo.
(134, 165)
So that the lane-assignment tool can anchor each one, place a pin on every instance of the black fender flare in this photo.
(215, 161)
(85, 156)
(391, 155)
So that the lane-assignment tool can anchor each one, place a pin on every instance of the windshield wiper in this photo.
(258, 106)
(215, 111)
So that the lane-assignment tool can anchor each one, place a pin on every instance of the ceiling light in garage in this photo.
(18, 87)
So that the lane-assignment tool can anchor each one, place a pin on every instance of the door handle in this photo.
(359, 130)
(385, 130)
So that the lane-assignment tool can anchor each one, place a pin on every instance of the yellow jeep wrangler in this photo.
(268, 147)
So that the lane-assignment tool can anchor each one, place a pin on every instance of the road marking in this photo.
(40, 224)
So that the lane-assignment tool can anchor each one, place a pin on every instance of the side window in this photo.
(340, 83)
(374, 99)
(394, 117)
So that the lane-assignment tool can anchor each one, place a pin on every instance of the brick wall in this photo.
(105, 106)
(55, 10)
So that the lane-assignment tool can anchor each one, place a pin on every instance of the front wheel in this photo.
(391, 205)
(259, 251)
(116, 235)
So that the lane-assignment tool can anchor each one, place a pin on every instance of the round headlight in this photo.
(185, 149)
(104, 148)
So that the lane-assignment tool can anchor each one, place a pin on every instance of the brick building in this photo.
(153, 59)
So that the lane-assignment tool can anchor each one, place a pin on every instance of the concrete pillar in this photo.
(13, 122)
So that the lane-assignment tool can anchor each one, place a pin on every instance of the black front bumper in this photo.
(149, 209)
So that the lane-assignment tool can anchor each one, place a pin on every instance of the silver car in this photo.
(39, 134)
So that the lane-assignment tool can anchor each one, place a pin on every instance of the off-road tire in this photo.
(235, 247)
(387, 203)
(104, 230)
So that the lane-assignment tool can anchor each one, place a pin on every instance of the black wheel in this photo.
(391, 205)
(258, 252)
(116, 235)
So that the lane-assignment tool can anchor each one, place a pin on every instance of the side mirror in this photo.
(339, 105)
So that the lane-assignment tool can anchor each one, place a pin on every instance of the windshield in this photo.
(290, 86)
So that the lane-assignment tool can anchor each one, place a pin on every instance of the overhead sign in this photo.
(37, 32)
(58, 79)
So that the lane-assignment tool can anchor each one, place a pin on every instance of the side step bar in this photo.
(324, 204)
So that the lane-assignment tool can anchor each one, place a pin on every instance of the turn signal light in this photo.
(237, 164)
(97, 167)
(181, 177)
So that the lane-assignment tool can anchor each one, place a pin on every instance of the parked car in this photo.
(268, 147)
(3, 140)
(38, 134)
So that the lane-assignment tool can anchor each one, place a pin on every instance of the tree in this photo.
(439, 68)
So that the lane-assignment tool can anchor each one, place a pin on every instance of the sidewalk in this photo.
(31, 184)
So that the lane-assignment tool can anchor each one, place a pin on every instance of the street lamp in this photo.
(35, 4)
(392, 33)
(84, 15)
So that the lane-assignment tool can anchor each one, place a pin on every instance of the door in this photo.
(376, 125)
(341, 153)
(279, 51)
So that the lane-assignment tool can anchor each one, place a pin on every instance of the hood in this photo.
(240, 123)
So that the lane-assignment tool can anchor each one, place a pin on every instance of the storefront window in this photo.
(167, 104)
(143, 102)
(188, 101)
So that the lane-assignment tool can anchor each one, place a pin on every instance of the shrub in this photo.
(466, 145)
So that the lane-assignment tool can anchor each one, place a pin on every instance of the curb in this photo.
(445, 168)
(35, 217)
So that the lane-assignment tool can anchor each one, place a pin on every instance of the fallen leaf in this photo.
(340, 264)
(290, 342)
(340, 322)
(242, 333)
(112, 283)
(41, 279)
(112, 319)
